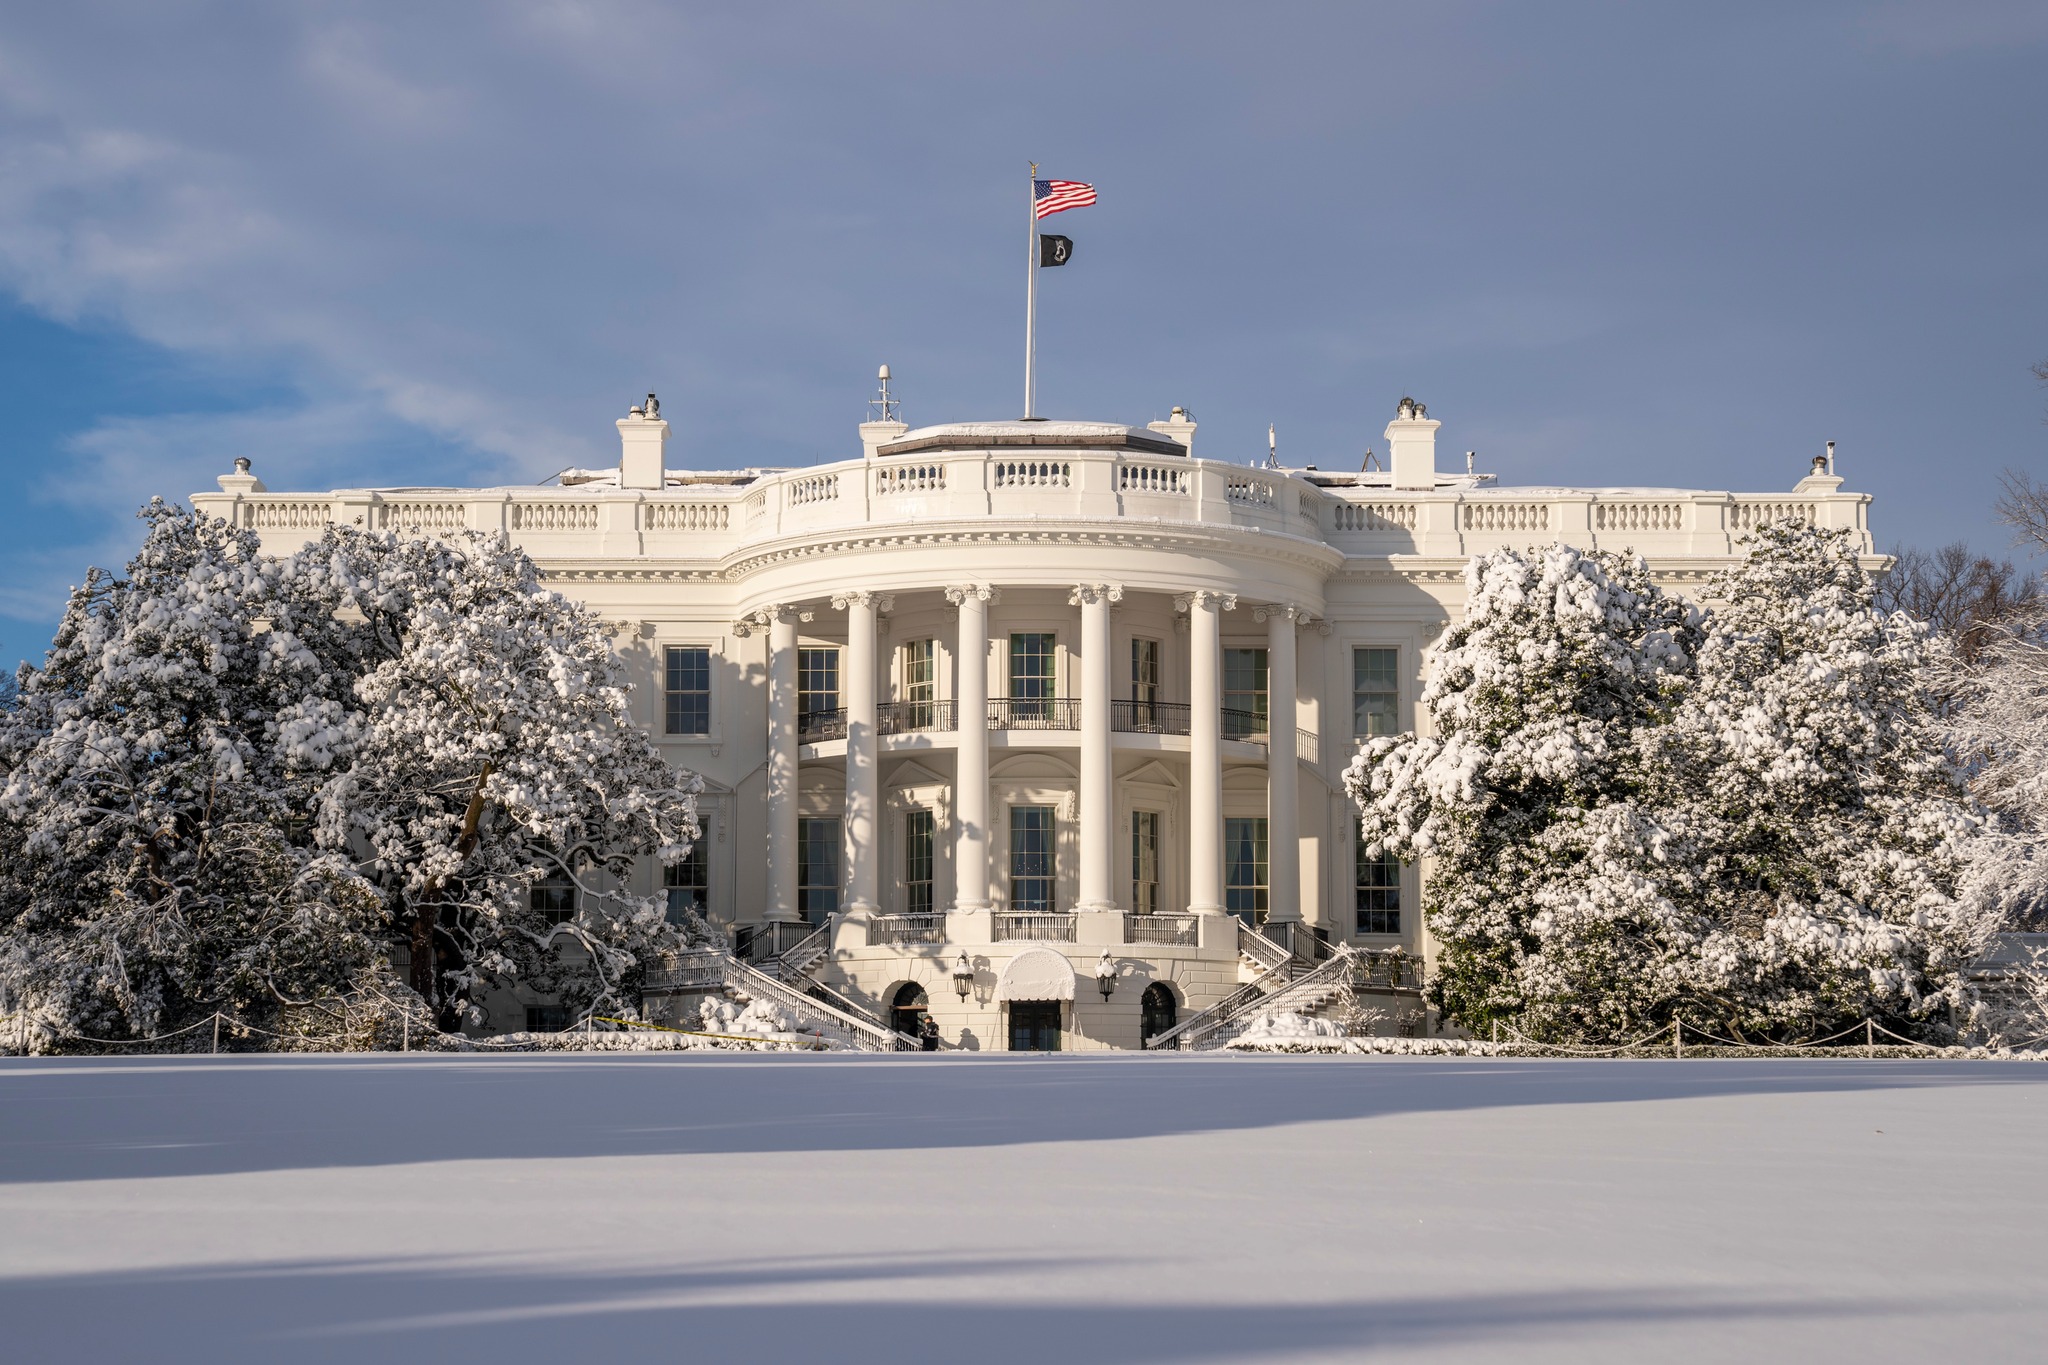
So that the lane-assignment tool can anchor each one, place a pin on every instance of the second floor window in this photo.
(688, 690)
(1375, 692)
(1145, 672)
(920, 682)
(1245, 869)
(1379, 893)
(1244, 692)
(817, 681)
(1145, 862)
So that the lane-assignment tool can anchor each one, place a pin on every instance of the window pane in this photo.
(687, 690)
(1031, 858)
(1245, 869)
(817, 869)
(554, 897)
(688, 884)
(918, 673)
(1244, 692)
(817, 681)
(1145, 671)
(1375, 692)
(1145, 862)
(918, 841)
(1379, 893)
(1031, 666)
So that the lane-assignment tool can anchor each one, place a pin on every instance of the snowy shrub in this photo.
(238, 782)
(1634, 809)
(1284, 1025)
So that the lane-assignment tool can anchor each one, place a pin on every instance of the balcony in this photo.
(1149, 717)
(915, 717)
(814, 726)
(1042, 713)
(888, 930)
(1033, 927)
(1179, 930)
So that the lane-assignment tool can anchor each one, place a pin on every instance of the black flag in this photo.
(1054, 249)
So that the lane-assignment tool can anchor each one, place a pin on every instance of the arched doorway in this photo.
(1160, 1011)
(907, 1009)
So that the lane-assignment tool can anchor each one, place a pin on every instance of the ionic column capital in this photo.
(1301, 616)
(775, 613)
(1091, 593)
(882, 602)
(980, 592)
(1205, 597)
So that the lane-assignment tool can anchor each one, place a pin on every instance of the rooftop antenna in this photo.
(1471, 457)
(882, 407)
(1372, 462)
(1272, 447)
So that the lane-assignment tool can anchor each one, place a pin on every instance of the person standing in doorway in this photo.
(928, 1034)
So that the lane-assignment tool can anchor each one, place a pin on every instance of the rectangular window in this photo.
(688, 884)
(553, 897)
(1032, 683)
(817, 869)
(688, 688)
(1145, 672)
(1031, 859)
(547, 1018)
(1379, 892)
(1145, 862)
(1245, 868)
(1244, 693)
(1375, 692)
(817, 683)
(920, 683)
(919, 830)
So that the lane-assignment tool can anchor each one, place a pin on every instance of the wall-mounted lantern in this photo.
(1105, 975)
(963, 977)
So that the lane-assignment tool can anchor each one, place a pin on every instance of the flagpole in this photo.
(1031, 302)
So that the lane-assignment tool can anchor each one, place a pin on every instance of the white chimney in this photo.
(1179, 426)
(1411, 446)
(643, 442)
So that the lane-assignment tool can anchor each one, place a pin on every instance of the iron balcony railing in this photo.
(813, 726)
(914, 717)
(1159, 929)
(1149, 717)
(1033, 927)
(895, 929)
(1034, 713)
(1242, 724)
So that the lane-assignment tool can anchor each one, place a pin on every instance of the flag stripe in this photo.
(1057, 196)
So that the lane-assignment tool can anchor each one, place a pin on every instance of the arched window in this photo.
(907, 1009)
(1160, 1011)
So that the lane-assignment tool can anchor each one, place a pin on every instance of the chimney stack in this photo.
(643, 440)
(1411, 446)
(1179, 426)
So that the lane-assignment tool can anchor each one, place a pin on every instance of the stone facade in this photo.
(996, 685)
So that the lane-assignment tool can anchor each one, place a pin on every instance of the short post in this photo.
(1496, 1033)
(1869, 1038)
(216, 1031)
(405, 1033)
(1677, 1036)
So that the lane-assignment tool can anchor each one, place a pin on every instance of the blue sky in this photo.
(1607, 244)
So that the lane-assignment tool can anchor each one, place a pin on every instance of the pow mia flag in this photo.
(1054, 249)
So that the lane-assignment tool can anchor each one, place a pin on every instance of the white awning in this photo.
(1036, 974)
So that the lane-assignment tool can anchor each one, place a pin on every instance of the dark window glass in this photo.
(817, 869)
(1032, 665)
(1159, 1011)
(553, 897)
(1244, 692)
(688, 688)
(817, 681)
(1145, 861)
(1031, 859)
(918, 844)
(1379, 893)
(1245, 869)
(1375, 692)
(688, 884)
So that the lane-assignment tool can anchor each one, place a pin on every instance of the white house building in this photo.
(1036, 727)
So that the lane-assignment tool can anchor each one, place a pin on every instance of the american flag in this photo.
(1057, 196)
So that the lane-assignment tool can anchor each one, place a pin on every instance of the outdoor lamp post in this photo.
(1105, 975)
(963, 977)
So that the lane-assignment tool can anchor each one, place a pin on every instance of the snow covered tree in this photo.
(1636, 811)
(239, 780)
(1999, 726)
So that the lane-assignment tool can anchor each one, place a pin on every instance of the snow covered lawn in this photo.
(1113, 1209)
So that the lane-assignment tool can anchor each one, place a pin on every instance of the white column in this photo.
(863, 783)
(1283, 820)
(970, 773)
(1098, 782)
(1205, 748)
(782, 762)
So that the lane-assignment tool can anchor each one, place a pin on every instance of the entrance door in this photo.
(1034, 1026)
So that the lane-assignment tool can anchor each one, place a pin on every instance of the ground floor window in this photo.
(688, 884)
(1159, 1011)
(1145, 862)
(817, 869)
(1031, 859)
(1379, 893)
(1245, 869)
(553, 897)
(919, 840)
(546, 1018)
(1034, 1026)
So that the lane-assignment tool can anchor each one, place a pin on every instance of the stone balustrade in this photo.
(711, 519)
